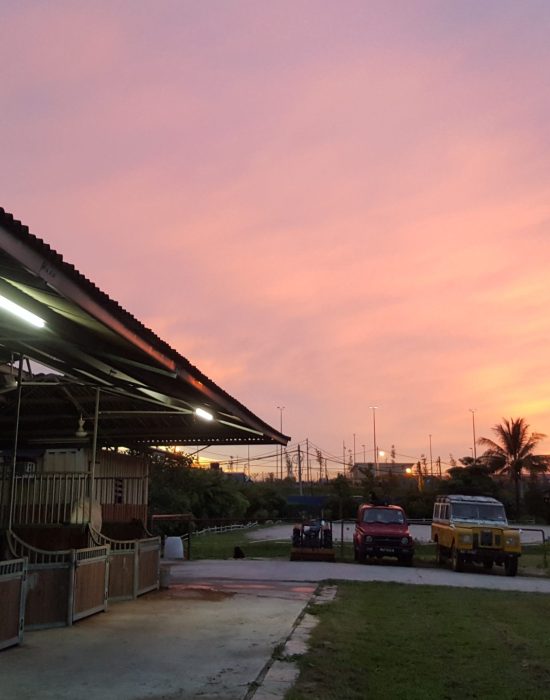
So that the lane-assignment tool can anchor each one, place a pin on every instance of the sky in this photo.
(324, 206)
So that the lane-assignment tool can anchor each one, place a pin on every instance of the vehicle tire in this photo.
(355, 554)
(488, 564)
(457, 563)
(511, 566)
(439, 558)
(406, 560)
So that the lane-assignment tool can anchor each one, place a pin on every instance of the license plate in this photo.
(387, 550)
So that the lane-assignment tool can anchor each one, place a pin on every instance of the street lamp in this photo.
(374, 435)
(473, 412)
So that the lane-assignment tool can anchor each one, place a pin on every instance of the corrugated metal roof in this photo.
(93, 340)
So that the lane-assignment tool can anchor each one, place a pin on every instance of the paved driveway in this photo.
(269, 570)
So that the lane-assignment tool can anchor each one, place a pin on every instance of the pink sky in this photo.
(322, 205)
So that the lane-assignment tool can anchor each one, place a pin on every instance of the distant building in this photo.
(382, 470)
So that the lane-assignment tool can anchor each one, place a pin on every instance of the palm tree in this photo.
(513, 451)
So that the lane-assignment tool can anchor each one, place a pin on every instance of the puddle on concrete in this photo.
(195, 592)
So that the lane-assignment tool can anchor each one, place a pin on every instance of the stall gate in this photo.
(148, 565)
(62, 586)
(12, 601)
(91, 580)
(123, 567)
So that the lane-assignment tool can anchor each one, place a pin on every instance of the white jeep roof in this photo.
(458, 498)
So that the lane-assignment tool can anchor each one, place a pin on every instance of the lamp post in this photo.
(374, 435)
(281, 409)
(473, 412)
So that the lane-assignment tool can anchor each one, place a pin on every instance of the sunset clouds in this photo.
(321, 205)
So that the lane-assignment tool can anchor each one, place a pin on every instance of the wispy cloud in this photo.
(319, 206)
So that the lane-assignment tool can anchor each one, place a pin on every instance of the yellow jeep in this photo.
(474, 529)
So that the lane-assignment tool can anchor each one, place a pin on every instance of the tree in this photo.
(177, 487)
(512, 452)
(473, 479)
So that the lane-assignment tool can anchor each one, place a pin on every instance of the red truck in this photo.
(382, 531)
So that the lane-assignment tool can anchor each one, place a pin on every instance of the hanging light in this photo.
(81, 433)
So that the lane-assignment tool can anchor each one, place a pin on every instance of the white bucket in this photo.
(173, 548)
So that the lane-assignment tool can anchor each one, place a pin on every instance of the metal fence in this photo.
(63, 497)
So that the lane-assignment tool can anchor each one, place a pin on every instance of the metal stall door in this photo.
(91, 576)
(148, 565)
(12, 601)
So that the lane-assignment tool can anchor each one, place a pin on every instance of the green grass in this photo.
(221, 546)
(395, 642)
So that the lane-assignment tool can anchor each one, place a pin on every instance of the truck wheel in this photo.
(511, 566)
(488, 564)
(457, 563)
(439, 558)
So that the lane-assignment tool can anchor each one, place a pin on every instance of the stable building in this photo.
(85, 391)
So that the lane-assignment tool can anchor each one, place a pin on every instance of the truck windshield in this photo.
(479, 511)
(374, 515)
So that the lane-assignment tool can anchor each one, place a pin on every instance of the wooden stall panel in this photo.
(148, 565)
(90, 579)
(122, 575)
(49, 590)
(12, 600)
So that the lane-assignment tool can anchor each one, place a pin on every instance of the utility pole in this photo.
(473, 412)
(281, 409)
(374, 436)
(344, 456)
(431, 461)
(300, 469)
(308, 473)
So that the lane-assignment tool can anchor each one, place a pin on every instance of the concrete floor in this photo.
(194, 640)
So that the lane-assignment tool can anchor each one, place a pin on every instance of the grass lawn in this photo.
(395, 642)
(221, 546)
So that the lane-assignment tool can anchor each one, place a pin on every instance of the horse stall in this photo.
(121, 487)
(74, 568)
(13, 573)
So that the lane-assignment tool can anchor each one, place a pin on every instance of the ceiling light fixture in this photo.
(20, 312)
(81, 433)
(205, 415)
